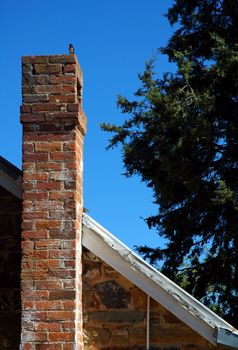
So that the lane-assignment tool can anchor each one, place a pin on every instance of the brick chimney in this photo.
(53, 133)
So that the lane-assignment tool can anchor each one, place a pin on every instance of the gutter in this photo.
(227, 338)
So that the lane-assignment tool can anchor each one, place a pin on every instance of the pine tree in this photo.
(181, 138)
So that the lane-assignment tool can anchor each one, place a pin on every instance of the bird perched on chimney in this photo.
(71, 49)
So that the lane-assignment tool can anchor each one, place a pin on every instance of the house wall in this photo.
(114, 314)
(10, 262)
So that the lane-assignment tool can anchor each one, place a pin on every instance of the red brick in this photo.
(35, 295)
(73, 107)
(68, 326)
(25, 109)
(64, 254)
(47, 186)
(28, 89)
(27, 264)
(47, 224)
(35, 215)
(62, 295)
(35, 195)
(48, 243)
(48, 166)
(35, 157)
(48, 305)
(27, 225)
(34, 99)
(35, 176)
(69, 305)
(62, 59)
(41, 285)
(60, 315)
(60, 336)
(62, 98)
(68, 346)
(66, 156)
(48, 347)
(48, 264)
(41, 254)
(62, 195)
(38, 107)
(34, 235)
(30, 120)
(27, 245)
(28, 347)
(53, 89)
(69, 68)
(28, 274)
(63, 79)
(48, 146)
(28, 147)
(47, 68)
(69, 89)
(46, 326)
(35, 59)
(27, 305)
(62, 274)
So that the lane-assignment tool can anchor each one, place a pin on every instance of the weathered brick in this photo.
(62, 295)
(62, 98)
(34, 235)
(48, 305)
(53, 89)
(47, 285)
(35, 157)
(46, 326)
(61, 336)
(48, 146)
(35, 59)
(69, 68)
(62, 59)
(47, 68)
(38, 107)
(73, 107)
(63, 79)
(35, 196)
(35, 98)
(52, 150)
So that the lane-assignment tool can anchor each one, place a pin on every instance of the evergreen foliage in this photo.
(181, 138)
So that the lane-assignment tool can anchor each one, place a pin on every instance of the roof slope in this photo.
(10, 177)
(188, 309)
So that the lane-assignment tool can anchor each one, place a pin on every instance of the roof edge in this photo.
(227, 338)
(10, 177)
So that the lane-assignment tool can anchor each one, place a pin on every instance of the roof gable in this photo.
(188, 309)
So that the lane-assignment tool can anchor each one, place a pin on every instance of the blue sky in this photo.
(112, 40)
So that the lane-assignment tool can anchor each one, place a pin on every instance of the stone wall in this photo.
(10, 263)
(114, 313)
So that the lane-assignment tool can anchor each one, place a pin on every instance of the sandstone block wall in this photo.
(114, 314)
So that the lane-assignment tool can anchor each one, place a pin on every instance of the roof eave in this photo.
(10, 178)
(227, 338)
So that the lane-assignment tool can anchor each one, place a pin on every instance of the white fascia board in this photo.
(227, 338)
(188, 309)
(11, 185)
